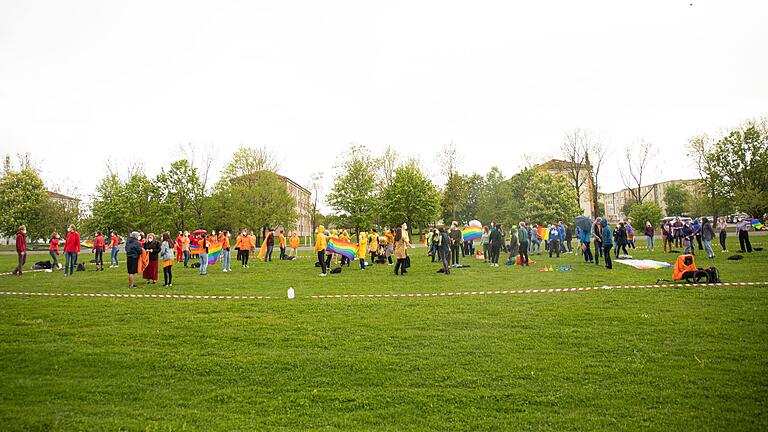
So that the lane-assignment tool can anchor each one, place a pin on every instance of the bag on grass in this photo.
(713, 274)
(81, 267)
(195, 265)
(42, 265)
(337, 270)
(736, 257)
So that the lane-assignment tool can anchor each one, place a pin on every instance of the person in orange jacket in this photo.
(244, 244)
(294, 242)
(225, 253)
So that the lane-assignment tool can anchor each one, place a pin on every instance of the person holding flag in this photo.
(320, 244)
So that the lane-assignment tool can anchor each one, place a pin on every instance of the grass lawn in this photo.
(686, 358)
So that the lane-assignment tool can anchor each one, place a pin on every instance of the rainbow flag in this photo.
(86, 243)
(342, 247)
(471, 233)
(214, 251)
(757, 225)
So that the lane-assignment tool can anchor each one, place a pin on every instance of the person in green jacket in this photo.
(607, 243)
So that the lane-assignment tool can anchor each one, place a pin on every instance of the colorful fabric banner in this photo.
(342, 247)
(471, 233)
(214, 251)
(86, 243)
(757, 225)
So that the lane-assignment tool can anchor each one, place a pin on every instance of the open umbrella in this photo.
(475, 223)
(583, 223)
(200, 232)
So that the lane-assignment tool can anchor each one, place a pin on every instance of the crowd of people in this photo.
(145, 254)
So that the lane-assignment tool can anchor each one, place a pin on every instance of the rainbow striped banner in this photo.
(757, 225)
(214, 251)
(86, 243)
(342, 247)
(471, 233)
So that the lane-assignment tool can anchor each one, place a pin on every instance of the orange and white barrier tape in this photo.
(160, 296)
(531, 291)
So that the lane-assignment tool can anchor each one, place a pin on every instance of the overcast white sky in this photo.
(81, 82)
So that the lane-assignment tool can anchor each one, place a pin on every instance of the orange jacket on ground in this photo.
(684, 264)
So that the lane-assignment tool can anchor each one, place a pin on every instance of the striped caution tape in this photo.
(159, 296)
(531, 291)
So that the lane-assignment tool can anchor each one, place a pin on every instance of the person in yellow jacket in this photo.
(294, 243)
(320, 243)
(390, 245)
(373, 244)
(362, 248)
(329, 255)
(281, 241)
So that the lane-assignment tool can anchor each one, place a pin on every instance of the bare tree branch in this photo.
(637, 160)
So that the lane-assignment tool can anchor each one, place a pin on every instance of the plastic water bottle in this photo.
(291, 293)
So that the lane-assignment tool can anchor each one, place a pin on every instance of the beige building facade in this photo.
(614, 202)
(565, 169)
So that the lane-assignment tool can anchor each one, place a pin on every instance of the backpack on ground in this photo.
(337, 270)
(81, 267)
(42, 265)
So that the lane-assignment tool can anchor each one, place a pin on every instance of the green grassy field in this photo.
(685, 358)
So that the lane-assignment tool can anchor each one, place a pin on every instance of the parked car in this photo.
(737, 217)
(683, 219)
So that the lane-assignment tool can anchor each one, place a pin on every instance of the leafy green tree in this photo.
(490, 205)
(353, 195)
(144, 206)
(411, 198)
(253, 197)
(735, 168)
(22, 198)
(626, 209)
(474, 186)
(646, 212)
(108, 206)
(550, 198)
(56, 216)
(454, 197)
(678, 200)
(180, 190)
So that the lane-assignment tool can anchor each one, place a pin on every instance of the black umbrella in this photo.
(584, 223)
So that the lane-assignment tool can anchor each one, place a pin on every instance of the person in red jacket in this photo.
(71, 249)
(98, 248)
(21, 248)
(53, 250)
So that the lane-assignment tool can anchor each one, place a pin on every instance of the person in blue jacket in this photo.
(554, 241)
(585, 242)
(561, 233)
(607, 243)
